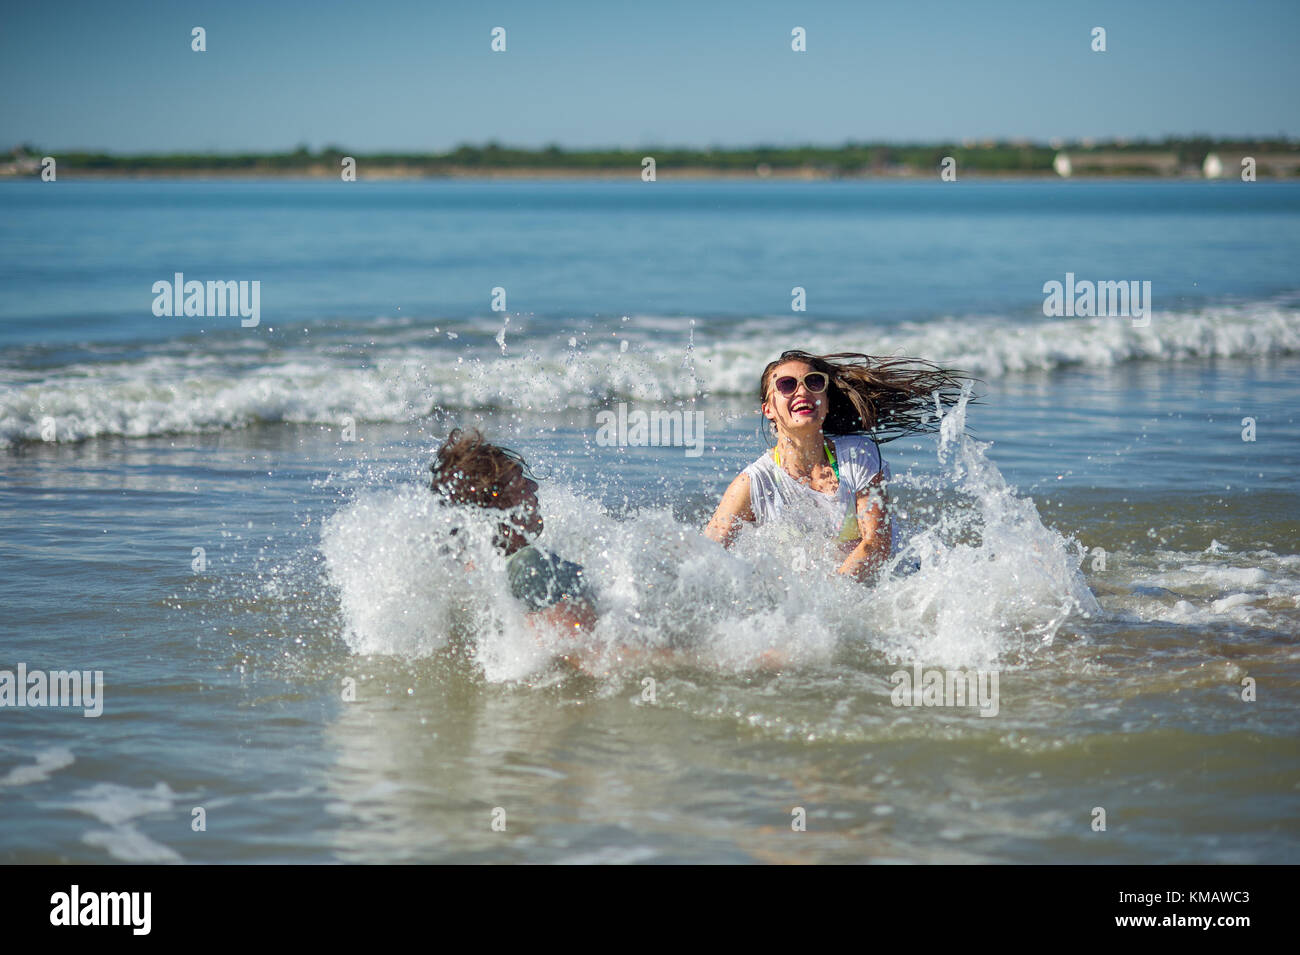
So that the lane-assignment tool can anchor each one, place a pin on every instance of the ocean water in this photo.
(230, 524)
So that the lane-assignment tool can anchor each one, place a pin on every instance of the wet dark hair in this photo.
(885, 398)
(469, 470)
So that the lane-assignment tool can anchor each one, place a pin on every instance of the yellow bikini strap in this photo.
(830, 457)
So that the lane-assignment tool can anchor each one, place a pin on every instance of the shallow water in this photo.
(1104, 539)
(224, 688)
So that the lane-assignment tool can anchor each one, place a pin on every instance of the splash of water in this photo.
(992, 580)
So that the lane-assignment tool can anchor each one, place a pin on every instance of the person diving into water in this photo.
(469, 471)
(555, 593)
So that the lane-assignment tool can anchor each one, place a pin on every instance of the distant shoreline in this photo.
(1169, 159)
(606, 175)
(388, 175)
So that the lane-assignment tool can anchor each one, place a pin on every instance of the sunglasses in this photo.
(814, 381)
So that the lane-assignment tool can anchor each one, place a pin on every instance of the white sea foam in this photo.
(1248, 589)
(128, 844)
(116, 806)
(48, 762)
(398, 373)
(992, 578)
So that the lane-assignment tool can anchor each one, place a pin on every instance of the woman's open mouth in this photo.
(802, 407)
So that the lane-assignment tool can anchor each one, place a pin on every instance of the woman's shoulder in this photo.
(762, 464)
(859, 454)
(858, 447)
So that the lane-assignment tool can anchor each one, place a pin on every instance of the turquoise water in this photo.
(1121, 680)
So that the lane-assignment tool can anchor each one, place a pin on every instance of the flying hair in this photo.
(884, 398)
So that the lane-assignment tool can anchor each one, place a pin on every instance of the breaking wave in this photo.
(400, 370)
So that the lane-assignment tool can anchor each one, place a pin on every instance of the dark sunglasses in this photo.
(814, 381)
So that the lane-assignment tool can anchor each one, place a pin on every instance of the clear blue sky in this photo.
(419, 75)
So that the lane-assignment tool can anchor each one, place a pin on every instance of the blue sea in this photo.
(231, 523)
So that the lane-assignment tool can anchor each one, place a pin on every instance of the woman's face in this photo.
(801, 411)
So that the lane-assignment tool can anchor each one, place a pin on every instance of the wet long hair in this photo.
(469, 470)
(884, 398)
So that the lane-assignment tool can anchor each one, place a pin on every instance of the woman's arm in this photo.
(733, 511)
(873, 522)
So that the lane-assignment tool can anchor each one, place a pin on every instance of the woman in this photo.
(826, 476)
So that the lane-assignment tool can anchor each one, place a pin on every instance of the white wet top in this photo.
(774, 494)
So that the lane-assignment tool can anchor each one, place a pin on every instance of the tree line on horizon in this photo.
(848, 159)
